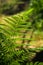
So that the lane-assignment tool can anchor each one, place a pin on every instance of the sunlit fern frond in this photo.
(14, 24)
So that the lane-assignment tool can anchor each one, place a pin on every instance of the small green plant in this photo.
(20, 24)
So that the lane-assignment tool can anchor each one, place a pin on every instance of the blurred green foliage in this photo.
(29, 19)
(10, 7)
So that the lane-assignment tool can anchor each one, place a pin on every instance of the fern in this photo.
(15, 29)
